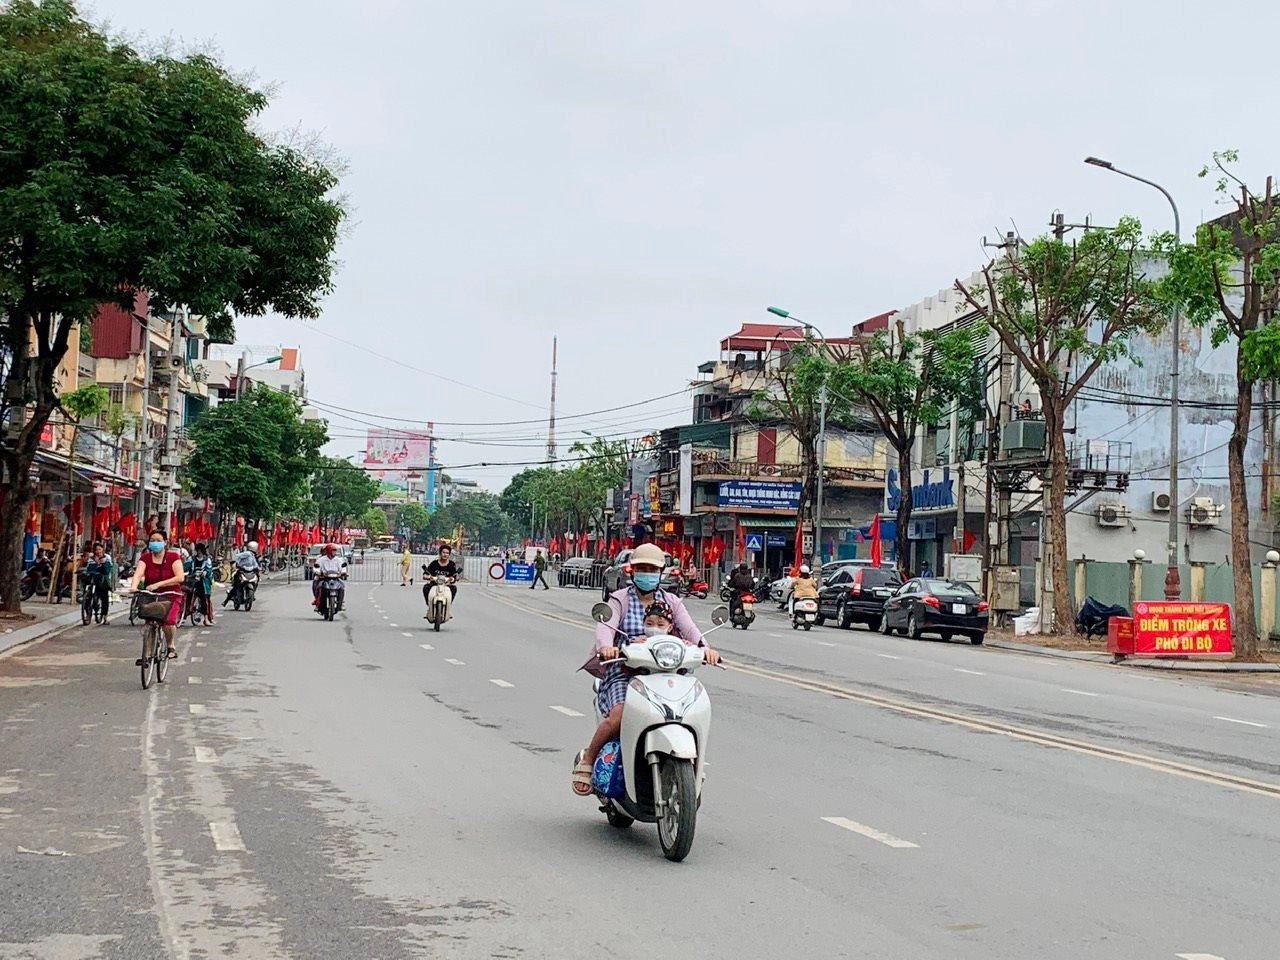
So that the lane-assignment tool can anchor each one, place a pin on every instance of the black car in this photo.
(618, 574)
(575, 572)
(945, 607)
(857, 594)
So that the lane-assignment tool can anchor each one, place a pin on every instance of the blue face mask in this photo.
(155, 546)
(646, 582)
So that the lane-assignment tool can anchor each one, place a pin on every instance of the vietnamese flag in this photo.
(875, 540)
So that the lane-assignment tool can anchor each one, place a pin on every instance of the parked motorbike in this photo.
(744, 611)
(35, 581)
(804, 613)
(439, 600)
(665, 721)
(692, 587)
(331, 592)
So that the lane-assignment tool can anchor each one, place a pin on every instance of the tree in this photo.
(340, 490)
(518, 499)
(121, 172)
(1062, 309)
(80, 404)
(1229, 281)
(253, 456)
(374, 521)
(906, 381)
(413, 517)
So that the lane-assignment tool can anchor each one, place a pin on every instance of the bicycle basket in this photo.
(156, 610)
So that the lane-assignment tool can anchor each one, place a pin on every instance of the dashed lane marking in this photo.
(888, 656)
(1199, 956)
(194, 680)
(406, 634)
(206, 755)
(226, 836)
(202, 643)
(426, 646)
(394, 625)
(1079, 693)
(456, 663)
(569, 713)
(197, 659)
(976, 673)
(196, 708)
(871, 833)
(1245, 723)
(502, 683)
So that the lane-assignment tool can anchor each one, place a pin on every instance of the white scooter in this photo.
(665, 722)
(804, 613)
(439, 599)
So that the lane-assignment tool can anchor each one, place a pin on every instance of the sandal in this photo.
(173, 654)
(581, 776)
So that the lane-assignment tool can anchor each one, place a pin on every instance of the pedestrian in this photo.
(406, 566)
(539, 571)
(925, 570)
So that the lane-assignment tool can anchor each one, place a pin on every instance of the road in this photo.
(369, 789)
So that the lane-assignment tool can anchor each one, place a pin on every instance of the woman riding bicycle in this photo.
(160, 571)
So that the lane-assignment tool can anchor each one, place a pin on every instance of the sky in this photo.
(639, 180)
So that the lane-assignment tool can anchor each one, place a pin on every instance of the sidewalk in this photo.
(1195, 666)
(50, 618)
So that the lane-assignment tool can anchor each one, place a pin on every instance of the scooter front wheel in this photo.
(680, 818)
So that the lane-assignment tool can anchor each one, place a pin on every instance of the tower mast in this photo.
(551, 422)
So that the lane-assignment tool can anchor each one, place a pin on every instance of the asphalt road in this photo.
(370, 789)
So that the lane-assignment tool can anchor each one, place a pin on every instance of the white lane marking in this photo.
(409, 635)
(574, 713)
(778, 636)
(872, 833)
(976, 673)
(1247, 723)
(456, 663)
(226, 836)
(1199, 956)
(502, 683)
(203, 632)
(888, 656)
(202, 643)
(1079, 693)
(196, 708)
(194, 680)
(206, 755)
(386, 618)
(197, 659)
(426, 646)
(824, 643)
(396, 625)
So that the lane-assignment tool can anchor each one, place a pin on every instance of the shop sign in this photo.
(929, 490)
(759, 495)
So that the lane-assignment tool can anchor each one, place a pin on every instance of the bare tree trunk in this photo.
(13, 521)
(1246, 623)
(901, 536)
(1053, 562)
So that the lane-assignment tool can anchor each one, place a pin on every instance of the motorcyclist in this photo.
(804, 587)
(246, 562)
(637, 609)
(441, 566)
(329, 564)
(740, 582)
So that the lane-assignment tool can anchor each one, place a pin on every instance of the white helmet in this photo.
(804, 568)
(253, 546)
(185, 553)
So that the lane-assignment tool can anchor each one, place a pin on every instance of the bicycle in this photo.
(153, 609)
(193, 600)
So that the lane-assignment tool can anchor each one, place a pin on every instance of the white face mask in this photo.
(655, 631)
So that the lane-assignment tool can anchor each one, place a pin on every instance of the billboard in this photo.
(759, 495)
(393, 456)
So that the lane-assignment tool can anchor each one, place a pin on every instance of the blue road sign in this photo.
(755, 541)
(520, 572)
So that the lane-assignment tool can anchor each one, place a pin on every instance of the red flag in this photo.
(33, 519)
(875, 540)
(800, 559)
(239, 534)
(740, 543)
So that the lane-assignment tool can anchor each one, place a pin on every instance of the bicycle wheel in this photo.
(148, 654)
(162, 656)
(134, 603)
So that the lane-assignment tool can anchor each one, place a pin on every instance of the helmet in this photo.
(804, 569)
(253, 546)
(328, 549)
(185, 553)
(649, 554)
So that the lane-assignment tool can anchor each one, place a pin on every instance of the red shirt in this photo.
(154, 571)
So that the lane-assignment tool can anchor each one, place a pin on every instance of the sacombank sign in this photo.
(928, 494)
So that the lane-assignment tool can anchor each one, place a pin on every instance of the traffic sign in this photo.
(755, 541)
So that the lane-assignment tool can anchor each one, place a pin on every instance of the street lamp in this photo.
(241, 369)
(822, 439)
(1172, 579)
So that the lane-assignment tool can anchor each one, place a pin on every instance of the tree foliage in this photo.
(253, 456)
(1063, 310)
(411, 516)
(341, 491)
(1229, 282)
(122, 172)
(374, 521)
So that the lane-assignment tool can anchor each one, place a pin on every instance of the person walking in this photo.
(539, 572)
(406, 566)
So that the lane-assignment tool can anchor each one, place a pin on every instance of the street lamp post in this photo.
(242, 369)
(1172, 579)
(816, 558)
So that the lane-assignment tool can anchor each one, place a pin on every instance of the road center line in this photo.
(976, 673)
(1247, 723)
(194, 680)
(226, 836)
(567, 712)
(206, 755)
(395, 625)
(824, 643)
(196, 708)
(456, 663)
(888, 656)
(1199, 956)
(1079, 693)
(872, 833)
(409, 635)
(426, 646)
(502, 683)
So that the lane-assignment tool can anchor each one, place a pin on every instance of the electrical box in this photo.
(1007, 593)
(1022, 438)
(964, 567)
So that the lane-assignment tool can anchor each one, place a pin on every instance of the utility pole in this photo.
(822, 463)
(169, 460)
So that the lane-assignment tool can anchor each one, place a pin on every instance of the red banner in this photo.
(1163, 628)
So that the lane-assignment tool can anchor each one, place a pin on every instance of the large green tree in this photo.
(374, 521)
(341, 491)
(1063, 310)
(519, 498)
(122, 172)
(413, 517)
(1229, 282)
(906, 381)
(253, 456)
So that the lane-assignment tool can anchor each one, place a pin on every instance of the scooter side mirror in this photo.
(601, 613)
(720, 616)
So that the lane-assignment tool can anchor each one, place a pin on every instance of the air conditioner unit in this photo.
(1203, 512)
(1113, 514)
(1160, 502)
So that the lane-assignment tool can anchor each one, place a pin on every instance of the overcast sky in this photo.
(639, 179)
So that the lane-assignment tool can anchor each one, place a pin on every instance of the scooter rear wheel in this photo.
(619, 820)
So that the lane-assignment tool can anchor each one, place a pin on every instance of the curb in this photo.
(1194, 666)
(46, 629)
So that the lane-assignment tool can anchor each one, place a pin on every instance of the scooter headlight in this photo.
(668, 654)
